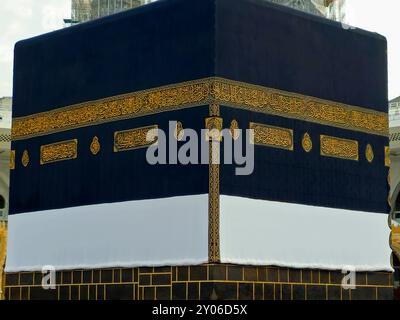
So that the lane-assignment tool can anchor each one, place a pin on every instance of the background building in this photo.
(332, 9)
(394, 123)
(5, 146)
(86, 10)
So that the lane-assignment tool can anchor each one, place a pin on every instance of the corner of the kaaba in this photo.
(120, 189)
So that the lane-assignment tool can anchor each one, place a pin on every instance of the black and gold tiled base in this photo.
(206, 282)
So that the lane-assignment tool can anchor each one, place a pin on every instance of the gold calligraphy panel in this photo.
(271, 136)
(286, 104)
(135, 138)
(60, 151)
(198, 93)
(339, 148)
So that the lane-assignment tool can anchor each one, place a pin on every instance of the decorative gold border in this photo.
(59, 151)
(139, 141)
(297, 106)
(271, 136)
(339, 148)
(200, 93)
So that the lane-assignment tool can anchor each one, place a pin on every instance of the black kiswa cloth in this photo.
(169, 43)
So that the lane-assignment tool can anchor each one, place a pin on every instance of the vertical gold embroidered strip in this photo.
(3, 251)
(213, 195)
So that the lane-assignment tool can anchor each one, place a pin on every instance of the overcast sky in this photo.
(20, 19)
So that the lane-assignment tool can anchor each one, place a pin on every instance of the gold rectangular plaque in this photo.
(12, 160)
(134, 138)
(387, 156)
(59, 151)
(270, 136)
(339, 148)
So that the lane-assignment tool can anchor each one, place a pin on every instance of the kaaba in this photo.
(85, 201)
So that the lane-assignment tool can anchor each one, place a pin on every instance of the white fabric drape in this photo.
(170, 231)
(291, 235)
(174, 231)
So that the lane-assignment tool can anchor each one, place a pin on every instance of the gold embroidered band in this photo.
(134, 138)
(200, 93)
(60, 151)
(271, 136)
(339, 148)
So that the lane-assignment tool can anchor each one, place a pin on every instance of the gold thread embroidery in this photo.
(387, 156)
(214, 109)
(25, 158)
(281, 103)
(179, 132)
(214, 122)
(214, 127)
(12, 160)
(369, 153)
(306, 142)
(3, 253)
(339, 148)
(95, 146)
(234, 129)
(132, 105)
(59, 151)
(198, 93)
(271, 136)
(134, 138)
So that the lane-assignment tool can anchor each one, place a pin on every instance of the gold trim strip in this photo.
(133, 138)
(271, 136)
(198, 93)
(59, 151)
(339, 148)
